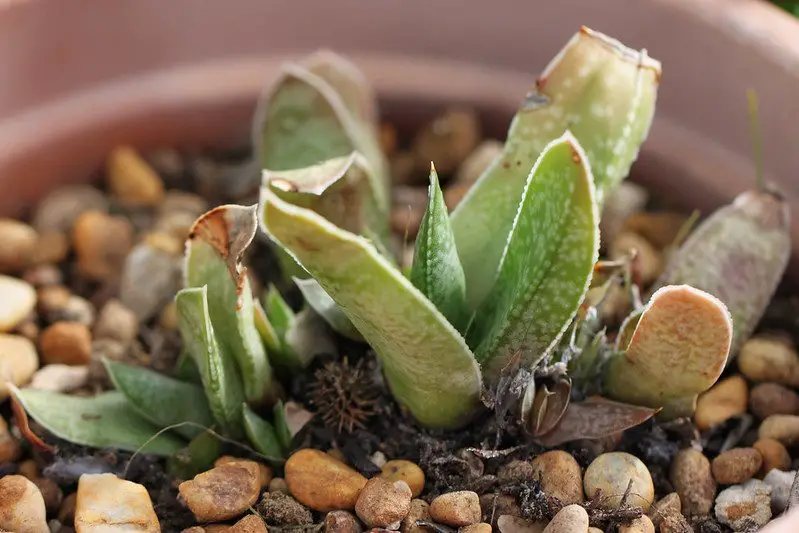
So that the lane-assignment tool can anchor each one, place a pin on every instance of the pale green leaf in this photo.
(103, 421)
(261, 434)
(265, 329)
(419, 349)
(221, 380)
(436, 270)
(324, 306)
(547, 264)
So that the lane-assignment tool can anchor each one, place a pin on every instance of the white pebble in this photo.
(60, 378)
(744, 506)
(780, 483)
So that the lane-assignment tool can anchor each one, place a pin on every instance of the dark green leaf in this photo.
(261, 434)
(281, 427)
(197, 457)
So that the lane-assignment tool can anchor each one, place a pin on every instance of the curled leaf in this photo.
(548, 407)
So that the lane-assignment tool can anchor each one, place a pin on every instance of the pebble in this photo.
(620, 204)
(169, 164)
(21, 506)
(692, 477)
(611, 472)
(264, 472)
(460, 508)
(378, 458)
(784, 428)
(105, 500)
(116, 322)
(78, 310)
(341, 522)
(517, 524)
(448, 139)
(780, 482)
(150, 278)
(640, 525)
(496, 505)
(222, 493)
(419, 510)
(650, 260)
(101, 244)
(769, 359)
(322, 482)
(249, 524)
(743, 506)
(18, 360)
(9, 447)
(58, 210)
(17, 245)
(668, 505)
(407, 471)
(43, 275)
(675, 523)
(27, 468)
(278, 484)
(60, 378)
(736, 465)
(28, 329)
(168, 317)
(52, 248)
(478, 161)
(515, 471)
(768, 399)
(131, 179)
(481, 527)
(774, 455)
(383, 502)
(560, 476)
(595, 530)
(51, 301)
(68, 343)
(725, 399)
(571, 519)
(19, 299)
(279, 509)
(51, 493)
(66, 513)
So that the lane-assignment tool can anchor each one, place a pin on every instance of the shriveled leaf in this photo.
(548, 407)
(436, 269)
(547, 265)
(679, 348)
(294, 418)
(214, 250)
(419, 349)
(198, 456)
(221, 380)
(323, 304)
(627, 328)
(282, 430)
(162, 400)
(261, 434)
(601, 91)
(103, 421)
(595, 418)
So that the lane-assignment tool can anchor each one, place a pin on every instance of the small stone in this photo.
(660, 228)
(515, 471)
(58, 210)
(341, 522)
(725, 399)
(774, 455)
(595, 530)
(768, 399)
(18, 300)
(649, 259)
(666, 506)
(116, 322)
(18, 361)
(101, 243)
(571, 519)
(27, 468)
(407, 471)
(278, 484)
(169, 164)
(43, 275)
(517, 524)
(66, 513)
(321, 482)
(692, 477)
(478, 161)
(736, 465)
(222, 493)
(675, 523)
(21, 506)
(150, 278)
(560, 476)
(378, 458)
(60, 378)
(52, 248)
(784, 428)
(51, 493)
(780, 483)
(495, 505)
(51, 301)
(383, 502)
(448, 139)
(68, 343)
(744, 506)
(131, 178)
(460, 508)
(481, 527)
(640, 525)
(419, 510)
(104, 499)
(17, 245)
(264, 472)
(249, 524)
(9, 447)
(168, 318)
(769, 359)
(28, 329)
(611, 472)
(78, 310)
(279, 509)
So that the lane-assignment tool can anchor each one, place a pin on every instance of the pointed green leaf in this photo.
(198, 456)
(419, 349)
(261, 434)
(103, 421)
(216, 244)
(281, 427)
(221, 379)
(162, 400)
(279, 312)
(326, 307)
(436, 269)
(547, 264)
(600, 90)
(265, 329)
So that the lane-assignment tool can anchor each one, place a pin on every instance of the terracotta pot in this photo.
(80, 76)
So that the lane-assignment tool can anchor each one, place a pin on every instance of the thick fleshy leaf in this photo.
(436, 270)
(103, 421)
(261, 434)
(265, 329)
(601, 91)
(323, 304)
(162, 400)
(418, 347)
(679, 348)
(282, 429)
(216, 244)
(279, 312)
(221, 380)
(548, 261)
(198, 456)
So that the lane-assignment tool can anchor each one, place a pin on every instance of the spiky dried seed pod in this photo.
(344, 395)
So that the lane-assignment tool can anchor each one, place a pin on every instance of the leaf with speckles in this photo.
(214, 250)
(436, 269)
(547, 264)
(418, 347)
(601, 91)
